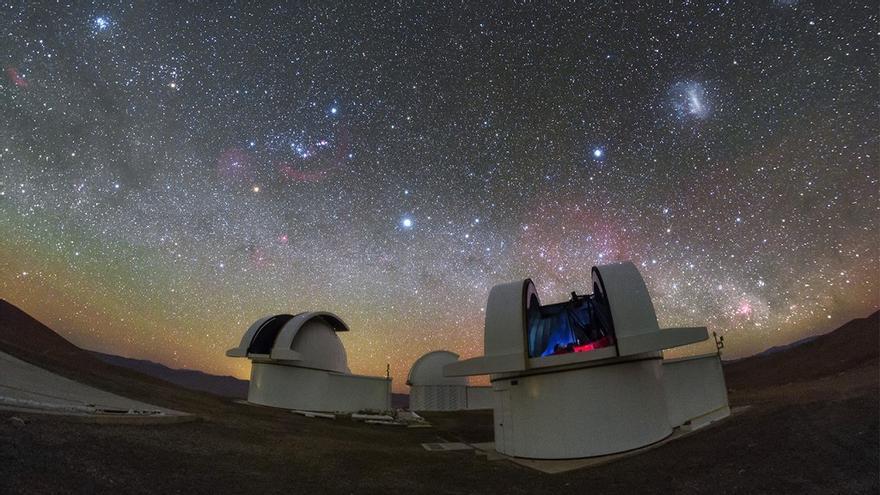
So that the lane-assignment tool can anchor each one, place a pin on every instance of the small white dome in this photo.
(428, 370)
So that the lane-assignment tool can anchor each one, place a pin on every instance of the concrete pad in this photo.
(28, 388)
(312, 414)
(383, 422)
(488, 449)
(446, 446)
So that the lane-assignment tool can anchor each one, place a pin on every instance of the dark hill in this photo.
(226, 386)
(854, 345)
(24, 337)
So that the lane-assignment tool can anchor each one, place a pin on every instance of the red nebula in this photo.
(552, 234)
(744, 309)
(15, 77)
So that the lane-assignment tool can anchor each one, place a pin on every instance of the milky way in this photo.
(171, 172)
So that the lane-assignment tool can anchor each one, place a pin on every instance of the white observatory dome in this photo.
(299, 362)
(308, 340)
(428, 370)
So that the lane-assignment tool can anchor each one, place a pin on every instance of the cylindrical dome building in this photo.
(430, 390)
(299, 362)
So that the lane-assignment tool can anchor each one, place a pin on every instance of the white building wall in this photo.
(359, 393)
(694, 387)
(437, 397)
(582, 412)
(293, 387)
(479, 398)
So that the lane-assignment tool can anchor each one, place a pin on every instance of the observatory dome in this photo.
(428, 370)
(299, 362)
(308, 340)
(586, 377)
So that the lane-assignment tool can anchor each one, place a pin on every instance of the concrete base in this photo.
(307, 389)
(554, 466)
(694, 388)
(581, 412)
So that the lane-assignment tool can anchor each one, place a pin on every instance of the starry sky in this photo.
(172, 171)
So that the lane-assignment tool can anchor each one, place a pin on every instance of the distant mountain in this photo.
(777, 348)
(853, 345)
(785, 347)
(226, 386)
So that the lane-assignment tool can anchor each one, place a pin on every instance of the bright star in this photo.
(598, 153)
(407, 223)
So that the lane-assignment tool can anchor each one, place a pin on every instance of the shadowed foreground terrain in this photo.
(812, 428)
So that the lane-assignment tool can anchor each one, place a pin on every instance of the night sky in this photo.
(170, 172)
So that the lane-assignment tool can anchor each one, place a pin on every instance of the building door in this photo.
(504, 442)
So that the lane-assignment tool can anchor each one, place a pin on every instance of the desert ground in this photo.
(812, 428)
